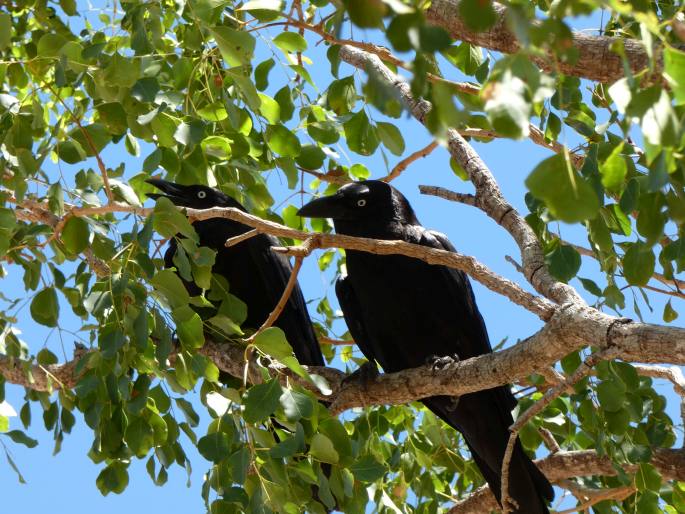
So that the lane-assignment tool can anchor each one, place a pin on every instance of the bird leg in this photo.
(438, 363)
(364, 375)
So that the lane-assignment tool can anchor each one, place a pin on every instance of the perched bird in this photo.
(403, 312)
(255, 274)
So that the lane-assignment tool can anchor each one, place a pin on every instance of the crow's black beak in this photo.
(174, 192)
(324, 207)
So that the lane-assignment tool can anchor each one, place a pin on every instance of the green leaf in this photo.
(11, 462)
(296, 405)
(282, 141)
(563, 262)
(236, 46)
(240, 463)
(50, 44)
(122, 71)
(214, 447)
(139, 437)
(659, 123)
(218, 147)
(189, 327)
(618, 422)
(611, 395)
(45, 307)
(213, 112)
(5, 30)
(290, 42)
(92, 138)
(270, 109)
(75, 235)
(20, 437)
(341, 95)
(614, 170)
(321, 448)
(361, 136)
(261, 401)
(647, 478)
(669, 313)
(123, 192)
(507, 107)
(113, 479)
(171, 287)
(367, 469)
(649, 503)
(261, 74)
(638, 264)
(169, 221)
(311, 157)
(366, 13)
(568, 196)
(478, 14)
(674, 72)
(391, 137)
(272, 341)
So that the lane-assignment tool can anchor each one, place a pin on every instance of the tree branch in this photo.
(404, 163)
(596, 60)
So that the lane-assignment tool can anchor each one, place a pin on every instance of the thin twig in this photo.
(91, 144)
(549, 439)
(336, 342)
(240, 238)
(306, 247)
(441, 192)
(617, 493)
(404, 163)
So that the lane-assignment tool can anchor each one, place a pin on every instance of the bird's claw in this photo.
(364, 375)
(454, 403)
(438, 363)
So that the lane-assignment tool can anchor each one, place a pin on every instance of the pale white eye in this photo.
(201, 194)
(361, 203)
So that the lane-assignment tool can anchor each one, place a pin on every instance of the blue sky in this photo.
(66, 482)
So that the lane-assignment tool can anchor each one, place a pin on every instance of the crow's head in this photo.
(362, 201)
(195, 197)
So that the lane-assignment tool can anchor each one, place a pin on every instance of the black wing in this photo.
(352, 313)
(274, 271)
(474, 340)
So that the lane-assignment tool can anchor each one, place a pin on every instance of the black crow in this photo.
(403, 312)
(255, 274)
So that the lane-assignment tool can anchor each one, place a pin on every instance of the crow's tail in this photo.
(483, 418)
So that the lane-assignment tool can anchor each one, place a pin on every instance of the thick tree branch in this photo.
(596, 60)
(571, 328)
(489, 197)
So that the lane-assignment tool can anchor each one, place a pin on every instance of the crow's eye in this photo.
(201, 194)
(361, 203)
